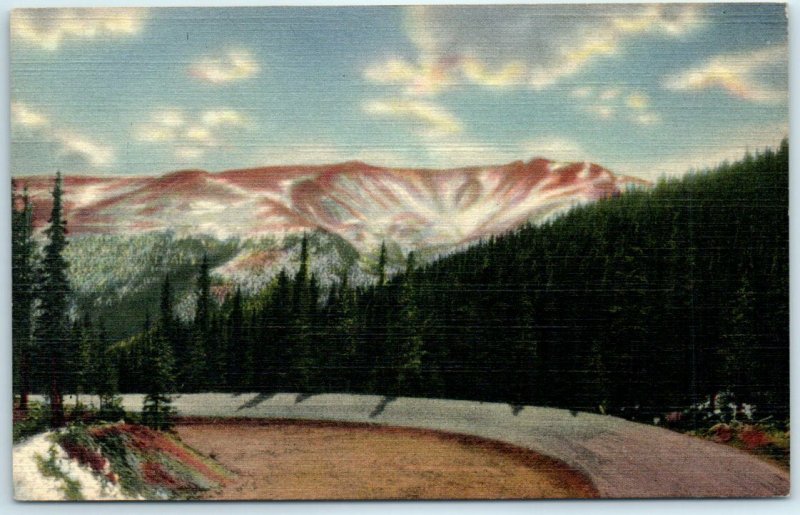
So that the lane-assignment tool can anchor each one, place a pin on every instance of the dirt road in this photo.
(308, 460)
(622, 459)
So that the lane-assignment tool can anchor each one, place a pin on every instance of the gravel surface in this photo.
(622, 459)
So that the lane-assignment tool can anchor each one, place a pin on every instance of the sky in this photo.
(645, 90)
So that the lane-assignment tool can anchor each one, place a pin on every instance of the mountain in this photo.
(416, 209)
(127, 233)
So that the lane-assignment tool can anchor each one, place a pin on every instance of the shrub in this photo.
(37, 420)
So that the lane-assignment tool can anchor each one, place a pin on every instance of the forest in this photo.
(636, 305)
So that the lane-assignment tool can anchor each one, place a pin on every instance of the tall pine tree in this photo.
(159, 381)
(53, 327)
(197, 353)
(23, 253)
(236, 349)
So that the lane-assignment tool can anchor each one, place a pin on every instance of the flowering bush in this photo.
(720, 408)
(722, 419)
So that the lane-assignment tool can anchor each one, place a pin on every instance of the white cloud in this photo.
(189, 153)
(615, 102)
(532, 46)
(609, 94)
(646, 118)
(201, 135)
(190, 135)
(96, 154)
(23, 115)
(49, 28)
(68, 142)
(756, 76)
(607, 35)
(155, 133)
(234, 65)
(220, 117)
(169, 118)
(427, 116)
(603, 112)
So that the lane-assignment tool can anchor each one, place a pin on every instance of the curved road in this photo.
(623, 459)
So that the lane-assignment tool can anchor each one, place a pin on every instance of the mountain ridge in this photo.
(363, 203)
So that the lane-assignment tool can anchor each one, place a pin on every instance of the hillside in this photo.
(127, 233)
(639, 305)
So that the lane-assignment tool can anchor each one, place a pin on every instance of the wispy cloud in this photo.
(50, 28)
(77, 145)
(232, 66)
(425, 116)
(430, 77)
(615, 102)
(23, 115)
(223, 117)
(755, 76)
(69, 143)
(609, 36)
(190, 135)
(529, 46)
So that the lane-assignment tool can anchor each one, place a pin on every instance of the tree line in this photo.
(636, 305)
(55, 350)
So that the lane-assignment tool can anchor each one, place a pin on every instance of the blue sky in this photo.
(642, 89)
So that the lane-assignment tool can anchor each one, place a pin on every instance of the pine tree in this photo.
(83, 366)
(236, 348)
(166, 317)
(382, 265)
(274, 352)
(740, 363)
(53, 327)
(202, 317)
(197, 359)
(405, 336)
(300, 285)
(346, 336)
(106, 380)
(23, 253)
(300, 324)
(159, 382)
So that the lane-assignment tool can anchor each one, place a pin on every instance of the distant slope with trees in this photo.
(636, 305)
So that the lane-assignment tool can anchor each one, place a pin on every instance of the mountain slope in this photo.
(416, 209)
(127, 233)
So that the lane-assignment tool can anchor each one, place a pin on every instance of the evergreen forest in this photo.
(636, 305)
